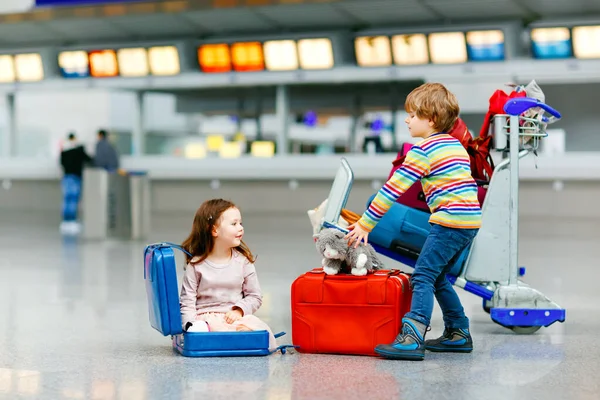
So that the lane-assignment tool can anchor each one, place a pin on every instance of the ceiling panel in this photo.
(310, 15)
(231, 20)
(557, 8)
(478, 9)
(378, 12)
(155, 25)
(89, 29)
(362, 14)
(28, 32)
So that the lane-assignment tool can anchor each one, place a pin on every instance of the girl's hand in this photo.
(233, 315)
(356, 233)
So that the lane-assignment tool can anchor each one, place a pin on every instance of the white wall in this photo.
(159, 109)
(580, 108)
(45, 118)
(15, 6)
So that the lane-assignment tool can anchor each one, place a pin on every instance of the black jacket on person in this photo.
(73, 159)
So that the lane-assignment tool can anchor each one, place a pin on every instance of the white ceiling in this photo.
(334, 14)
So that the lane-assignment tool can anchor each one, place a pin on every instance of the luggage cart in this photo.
(490, 269)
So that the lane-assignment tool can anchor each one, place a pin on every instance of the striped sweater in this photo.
(442, 164)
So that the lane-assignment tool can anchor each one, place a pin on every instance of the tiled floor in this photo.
(74, 325)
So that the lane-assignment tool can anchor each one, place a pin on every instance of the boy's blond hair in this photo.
(433, 101)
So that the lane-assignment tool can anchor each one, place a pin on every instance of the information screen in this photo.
(74, 64)
(281, 55)
(485, 45)
(586, 41)
(551, 43)
(214, 58)
(29, 67)
(133, 62)
(447, 48)
(247, 56)
(164, 60)
(7, 69)
(103, 63)
(373, 51)
(315, 53)
(410, 49)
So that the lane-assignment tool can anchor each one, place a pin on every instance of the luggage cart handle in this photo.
(519, 105)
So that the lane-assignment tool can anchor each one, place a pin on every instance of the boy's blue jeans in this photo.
(441, 248)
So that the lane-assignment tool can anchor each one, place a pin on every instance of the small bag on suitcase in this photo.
(347, 314)
(160, 276)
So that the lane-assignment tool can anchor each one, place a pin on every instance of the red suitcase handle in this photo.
(376, 284)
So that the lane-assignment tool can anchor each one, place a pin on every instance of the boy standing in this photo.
(443, 166)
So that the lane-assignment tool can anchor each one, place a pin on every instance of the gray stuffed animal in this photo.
(338, 256)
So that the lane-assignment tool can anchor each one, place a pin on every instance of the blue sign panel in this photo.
(486, 52)
(552, 49)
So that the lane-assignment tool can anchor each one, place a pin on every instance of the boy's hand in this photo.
(233, 315)
(356, 233)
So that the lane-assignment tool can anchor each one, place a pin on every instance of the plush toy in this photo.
(339, 257)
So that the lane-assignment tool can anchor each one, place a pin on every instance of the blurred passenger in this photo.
(106, 156)
(72, 159)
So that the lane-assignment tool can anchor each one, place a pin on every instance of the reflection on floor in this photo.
(74, 325)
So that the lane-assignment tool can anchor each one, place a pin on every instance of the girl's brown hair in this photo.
(200, 241)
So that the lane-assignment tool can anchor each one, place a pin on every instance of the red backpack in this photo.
(482, 166)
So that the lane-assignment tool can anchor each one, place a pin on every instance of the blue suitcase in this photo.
(401, 234)
(160, 276)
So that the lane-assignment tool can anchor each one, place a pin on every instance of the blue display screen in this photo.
(486, 52)
(552, 49)
(75, 3)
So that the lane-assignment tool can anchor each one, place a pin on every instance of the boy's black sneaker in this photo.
(454, 340)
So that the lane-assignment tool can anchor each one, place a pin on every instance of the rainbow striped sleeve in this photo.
(415, 166)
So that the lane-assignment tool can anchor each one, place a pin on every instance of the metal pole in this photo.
(9, 144)
(514, 201)
(282, 109)
(139, 134)
(394, 111)
(257, 114)
(356, 111)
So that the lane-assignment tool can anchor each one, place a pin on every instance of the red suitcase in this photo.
(347, 314)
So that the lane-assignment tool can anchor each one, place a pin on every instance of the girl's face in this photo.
(229, 231)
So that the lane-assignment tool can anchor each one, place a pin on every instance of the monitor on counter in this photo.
(551, 43)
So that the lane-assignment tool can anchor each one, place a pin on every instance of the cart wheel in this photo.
(486, 306)
(524, 330)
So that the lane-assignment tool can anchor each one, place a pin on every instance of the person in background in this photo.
(106, 156)
(73, 157)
